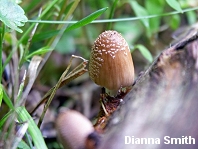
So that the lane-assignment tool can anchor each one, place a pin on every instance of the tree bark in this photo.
(163, 102)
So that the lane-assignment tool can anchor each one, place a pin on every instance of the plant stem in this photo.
(111, 14)
(1, 50)
(53, 93)
(60, 26)
(32, 26)
(84, 28)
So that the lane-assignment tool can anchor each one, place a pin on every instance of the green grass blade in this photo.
(175, 5)
(111, 14)
(87, 19)
(40, 51)
(140, 11)
(83, 22)
(1, 94)
(33, 130)
(22, 145)
(5, 117)
(69, 7)
(118, 19)
(7, 100)
(45, 35)
(145, 52)
(19, 95)
(2, 33)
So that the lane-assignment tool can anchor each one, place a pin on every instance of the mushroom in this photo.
(73, 129)
(111, 64)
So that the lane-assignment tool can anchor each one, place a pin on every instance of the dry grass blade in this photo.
(26, 51)
(31, 76)
(64, 79)
(78, 71)
(19, 135)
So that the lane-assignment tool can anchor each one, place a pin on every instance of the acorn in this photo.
(111, 64)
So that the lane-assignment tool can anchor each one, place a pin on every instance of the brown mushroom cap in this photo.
(111, 64)
(72, 129)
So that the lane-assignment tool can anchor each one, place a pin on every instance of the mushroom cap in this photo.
(111, 64)
(72, 129)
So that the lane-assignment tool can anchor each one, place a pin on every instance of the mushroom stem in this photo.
(111, 93)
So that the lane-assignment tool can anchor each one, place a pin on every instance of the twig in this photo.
(62, 81)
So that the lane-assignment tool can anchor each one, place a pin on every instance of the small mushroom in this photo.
(111, 64)
(73, 129)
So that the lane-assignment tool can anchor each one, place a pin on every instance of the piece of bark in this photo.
(163, 101)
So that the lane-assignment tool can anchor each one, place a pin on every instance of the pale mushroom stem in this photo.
(111, 93)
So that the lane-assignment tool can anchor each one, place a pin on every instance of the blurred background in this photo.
(165, 21)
